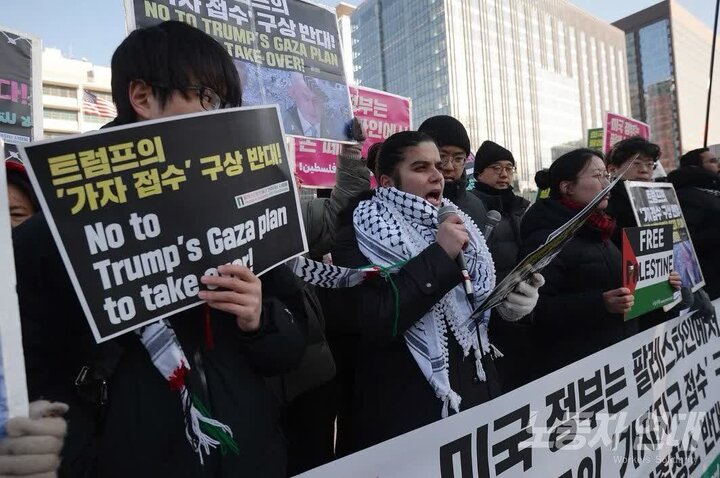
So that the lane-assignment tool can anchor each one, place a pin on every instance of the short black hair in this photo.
(629, 147)
(21, 181)
(565, 168)
(693, 158)
(392, 149)
(173, 55)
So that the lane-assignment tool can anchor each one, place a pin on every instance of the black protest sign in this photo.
(656, 204)
(286, 51)
(141, 212)
(15, 89)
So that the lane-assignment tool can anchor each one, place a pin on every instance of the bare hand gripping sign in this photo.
(140, 213)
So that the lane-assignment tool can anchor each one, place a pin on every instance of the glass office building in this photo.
(668, 53)
(532, 75)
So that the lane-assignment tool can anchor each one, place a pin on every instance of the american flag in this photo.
(94, 105)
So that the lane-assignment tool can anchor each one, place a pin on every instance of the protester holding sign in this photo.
(420, 358)
(212, 414)
(698, 188)
(644, 157)
(581, 306)
(351, 179)
(32, 446)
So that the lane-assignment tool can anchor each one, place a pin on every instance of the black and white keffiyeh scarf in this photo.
(392, 228)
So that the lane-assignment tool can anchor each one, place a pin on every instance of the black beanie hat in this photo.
(447, 131)
(490, 153)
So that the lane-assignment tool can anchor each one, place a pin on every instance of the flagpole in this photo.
(712, 67)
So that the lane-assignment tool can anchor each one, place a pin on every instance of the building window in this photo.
(55, 134)
(88, 118)
(51, 113)
(61, 91)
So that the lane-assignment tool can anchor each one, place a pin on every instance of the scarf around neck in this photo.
(396, 226)
(600, 220)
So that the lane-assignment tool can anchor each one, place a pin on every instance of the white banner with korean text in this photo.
(648, 406)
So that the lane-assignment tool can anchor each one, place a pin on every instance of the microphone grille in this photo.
(444, 212)
(493, 217)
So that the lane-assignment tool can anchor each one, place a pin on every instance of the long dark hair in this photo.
(565, 168)
(391, 151)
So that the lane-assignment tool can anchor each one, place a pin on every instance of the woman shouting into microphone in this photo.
(419, 356)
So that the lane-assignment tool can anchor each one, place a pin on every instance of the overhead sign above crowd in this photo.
(381, 115)
(287, 52)
(619, 127)
(19, 81)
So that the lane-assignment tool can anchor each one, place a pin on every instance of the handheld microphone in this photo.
(443, 213)
(493, 218)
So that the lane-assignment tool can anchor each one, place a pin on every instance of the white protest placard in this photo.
(13, 391)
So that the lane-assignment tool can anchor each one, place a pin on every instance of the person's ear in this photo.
(386, 181)
(142, 100)
(612, 169)
(566, 188)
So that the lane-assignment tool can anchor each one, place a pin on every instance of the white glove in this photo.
(32, 447)
(522, 300)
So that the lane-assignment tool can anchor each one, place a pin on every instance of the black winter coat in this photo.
(512, 338)
(504, 242)
(141, 433)
(390, 394)
(570, 319)
(702, 215)
(457, 192)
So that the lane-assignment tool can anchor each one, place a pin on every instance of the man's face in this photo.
(308, 102)
(709, 162)
(452, 162)
(498, 175)
(419, 173)
(641, 170)
(177, 104)
(20, 205)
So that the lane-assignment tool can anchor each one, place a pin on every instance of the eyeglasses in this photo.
(457, 159)
(644, 165)
(602, 177)
(509, 170)
(209, 99)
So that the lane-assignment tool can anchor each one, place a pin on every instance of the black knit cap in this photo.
(490, 153)
(447, 131)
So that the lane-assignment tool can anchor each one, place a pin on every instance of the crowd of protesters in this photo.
(302, 374)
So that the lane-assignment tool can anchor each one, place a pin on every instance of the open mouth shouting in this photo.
(434, 197)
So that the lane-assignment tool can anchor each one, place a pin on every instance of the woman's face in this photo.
(589, 182)
(419, 173)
